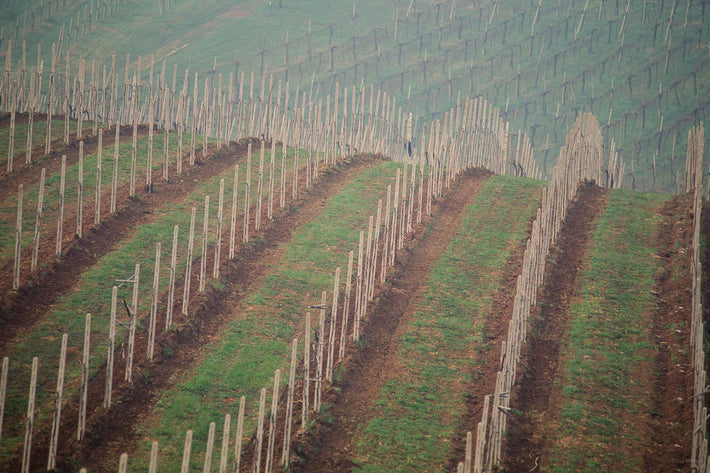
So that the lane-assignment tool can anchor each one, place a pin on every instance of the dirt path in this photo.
(330, 445)
(535, 398)
(669, 437)
(111, 433)
(22, 309)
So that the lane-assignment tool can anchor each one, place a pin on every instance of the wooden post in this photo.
(203, 259)
(319, 353)
(149, 160)
(38, 221)
(154, 303)
(30, 125)
(50, 100)
(60, 217)
(272, 423)
(285, 452)
(114, 180)
(134, 145)
(132, 329)
(18, 241)
(207, 465)
(179, 152)
(247, 193)
(153, 465)
(260, 432)
(282, 200)
(123, 463)
(83, 397)
(80, 194)
(3, 390)
(173, 275)
(97, 200)
(111, 349)
(238, 440)
(30, 419)
(260, 187)
(59, 393)
(11, 144)
(233, 220)
(358, 292)
(333, 324)
(272, 169)
(306, 371)
(166, 157)
(185, 467)
(224, 453)
(385, 246)
(294, 182)
(346, 308)
(188, 264)
(218, 243)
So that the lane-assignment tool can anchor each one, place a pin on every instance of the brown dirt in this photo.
(669, 434)
(21, 310)
(111, 433)
(535, 396)
(328, 447)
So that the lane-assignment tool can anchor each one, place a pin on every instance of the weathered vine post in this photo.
(114, 180)
(203, 258)
(272, 169)
(233, 219)
(153, 465)
(188, 263)
(333, 324)
(30, 419)
(60, 216)
(282, 197)
(306, 371)
(11, 144)
(58, 394)
(154, 303)
(224, 453)
(285, 452)
(28, 147)
(18, 241)
(111, 349)
(260, 432)
(132, 328)
(173, 275)
(247, 194)
(272, 423)
(134, 146)
(97, 200)
(80, 194)
(358, 292)
(3, 390)
(83, 397)
(218, 242)
(185, 466)
(238, 440)
(207, 465)
(38, 221)
(260, 187)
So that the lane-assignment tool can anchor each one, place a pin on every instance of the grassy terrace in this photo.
(244, 356)
(8, 208)
(93, 295)
(417, 412)
(609, 351)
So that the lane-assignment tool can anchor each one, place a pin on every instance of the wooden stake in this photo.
(80, 194)
(11, 144)
(260, 432)
(83, 397)
(247, 195)
(272, 423)
(59, 393)
(333, 324)
(238, 440)
(154, 303)
(123, 463)
(28, 148)
(233, 219)
(3, 390)
(272, 169)
(218, 243)
(207, 465)
(30, 419)
(282, 200)
(60, 217)
(173, 276)
(259, 193)
(188, 263)
(134, 145)
(346, 308)
(38, 221)
(111, 349)
(185, 467)
(203, 259)
(306, 371)
(132, 329)
(18, 241)
(97, 200)
(153, 465)
(285, 452)
(114, 180)
(224, 453)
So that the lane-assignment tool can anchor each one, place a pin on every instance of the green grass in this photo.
(418, 411)
(248, 351)
(608, 348)
(93, 295)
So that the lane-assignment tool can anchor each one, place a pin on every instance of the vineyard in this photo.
(370, 247)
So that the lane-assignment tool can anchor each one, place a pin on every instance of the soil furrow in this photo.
(670, 429)
(23, 309)
(110, 433)
(535, 397)
(329, 446)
